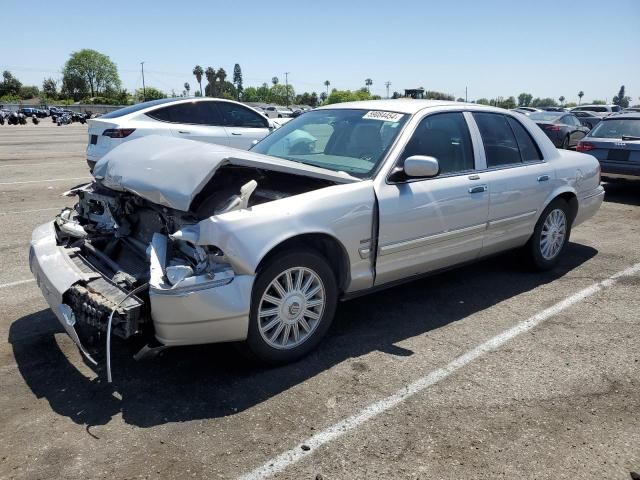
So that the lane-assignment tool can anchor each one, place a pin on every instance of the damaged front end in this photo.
(118, 263)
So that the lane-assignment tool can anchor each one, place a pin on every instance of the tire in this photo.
(545, 255)
(565, 143)
(272, 337)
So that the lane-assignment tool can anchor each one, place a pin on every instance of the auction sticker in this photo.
(384, 116)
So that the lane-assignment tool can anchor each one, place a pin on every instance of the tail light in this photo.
(584, 147)
(118, 132)
(553, 128)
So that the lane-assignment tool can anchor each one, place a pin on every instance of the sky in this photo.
(491, 47)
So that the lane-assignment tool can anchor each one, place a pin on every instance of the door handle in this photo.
(478, 189)
(234, 133)
(184, 131)
(543, 178)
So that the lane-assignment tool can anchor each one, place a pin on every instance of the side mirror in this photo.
(421, 166)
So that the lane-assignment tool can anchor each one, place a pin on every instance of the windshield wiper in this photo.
(630, 137)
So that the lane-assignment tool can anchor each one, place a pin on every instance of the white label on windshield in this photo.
(384, 116)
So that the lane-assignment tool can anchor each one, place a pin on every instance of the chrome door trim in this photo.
(430, 239)
(512, 219)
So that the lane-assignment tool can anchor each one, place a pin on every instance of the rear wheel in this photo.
(293, 302)
(550, 236)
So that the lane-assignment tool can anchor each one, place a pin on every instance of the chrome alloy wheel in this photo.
(291, 308)
(553, 234)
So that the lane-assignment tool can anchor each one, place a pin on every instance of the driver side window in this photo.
(444, 136)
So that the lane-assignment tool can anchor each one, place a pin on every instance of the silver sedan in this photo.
(184, 243)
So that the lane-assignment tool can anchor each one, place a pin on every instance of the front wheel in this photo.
(550, 236)
(293, 303)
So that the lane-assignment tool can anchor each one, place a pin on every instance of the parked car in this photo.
(553, 109)
(600, 110)
(30, 112)
(563, 129)
(277, 112)
(615, 142)
(188, 243)
(588, 119)
(203, 119)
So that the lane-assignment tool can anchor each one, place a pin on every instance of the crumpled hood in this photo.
(171, 171)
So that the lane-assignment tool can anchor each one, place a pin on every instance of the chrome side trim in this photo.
(514, 219)
(431, 239)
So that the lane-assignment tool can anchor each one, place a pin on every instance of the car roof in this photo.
(400, 105)
(623, 116)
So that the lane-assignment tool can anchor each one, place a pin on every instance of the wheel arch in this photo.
(569, 196)
(325, 244)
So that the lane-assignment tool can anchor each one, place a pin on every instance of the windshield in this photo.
(545, 116)
(624, 127)
(352, 141)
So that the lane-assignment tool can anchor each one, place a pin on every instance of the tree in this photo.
(544, 102)
(326, 84)
(187, 88)
(433, 95)
(96, 69)
(198, 72)
(28, 92)
(237, 79)
(368, 82)
(524, 99)
(339, 96)
(221, 75)
(621, 99)
(73, 87)
(279, 93)
(482, 101)
(49, 88)
(323, 97)
(210, 73)
(396, 95)
(250, 94)
(561, 99)
(150, 93)
(580, 95)
(275, 80)
(10, 85)
(598, 102)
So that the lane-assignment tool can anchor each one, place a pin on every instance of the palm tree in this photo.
(368, 82)
(198, 72)
(210, 73)
(580, 95)
(275, 80)
(561, 100)
(222, 75)
(326, 84)
(187, 87)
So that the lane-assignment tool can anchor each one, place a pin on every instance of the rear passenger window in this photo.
(194, 113)
(500, 144)
(445, 137)
(529, 151)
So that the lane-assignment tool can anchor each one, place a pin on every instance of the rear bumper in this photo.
(588, 205)
(620, 169)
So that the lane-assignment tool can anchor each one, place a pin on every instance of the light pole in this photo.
(286, 86)
(144, 90)
(387, 84)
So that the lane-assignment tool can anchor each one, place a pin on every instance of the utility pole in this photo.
(144, 91)
(465, 94)
(387, 84)
(286, 86)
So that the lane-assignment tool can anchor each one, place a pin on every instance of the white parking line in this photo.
(38, 164)
(12, 212)
(19, 282)
(284, 460)
(46, 181)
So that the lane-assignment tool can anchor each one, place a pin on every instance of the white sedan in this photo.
(210, 120)
(184, 242)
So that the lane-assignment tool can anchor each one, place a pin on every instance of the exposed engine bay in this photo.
(124, 244)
